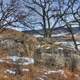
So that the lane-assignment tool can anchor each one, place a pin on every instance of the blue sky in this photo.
(38, 18)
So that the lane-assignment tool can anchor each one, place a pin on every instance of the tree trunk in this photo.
(73, 38)
(47, 34)
(76, 47)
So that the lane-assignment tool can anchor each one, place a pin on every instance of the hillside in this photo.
(23, 57)
(56, 31)
(7, 32)
(13, 40)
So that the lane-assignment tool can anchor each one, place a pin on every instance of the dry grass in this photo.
(36, 73)
(24, 42)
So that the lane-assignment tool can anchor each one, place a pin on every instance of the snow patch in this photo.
(60, 48)
(18, 60)
(58, 71)
(10, 71)
(43, 77)
(48, 47)
(24, 60)
(25, 69)
(59, 35)
(1, 61)
(36, 35)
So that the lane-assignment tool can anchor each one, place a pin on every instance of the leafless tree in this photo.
(44, 12)
(70, 18)
(54, 13)
(11, 14)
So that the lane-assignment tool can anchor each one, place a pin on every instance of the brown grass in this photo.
(35, 73)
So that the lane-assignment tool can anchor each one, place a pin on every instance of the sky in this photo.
(20, 29)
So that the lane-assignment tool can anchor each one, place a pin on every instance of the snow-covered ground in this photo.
(57, 71)
(22, 60)
(63, 73)
(37, 35)
(68, 43)
(19, 60)
(10, 71)
(13, 71)
(59, 35)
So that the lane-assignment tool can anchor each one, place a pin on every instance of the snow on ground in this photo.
(1, 61)
(25, 69)
(43, 77)
(60, 48)
(58, 71)
(24, 60)
(40, 78)
(62, 72)
(68, 43)
(4, 61)
(10, 71)
(19, 60)
(37, 35)
(59, 35)
(13, 70)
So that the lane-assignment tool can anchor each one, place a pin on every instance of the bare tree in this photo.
(69, 22)
(11, 14)
(44, 12)
(49, 13)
